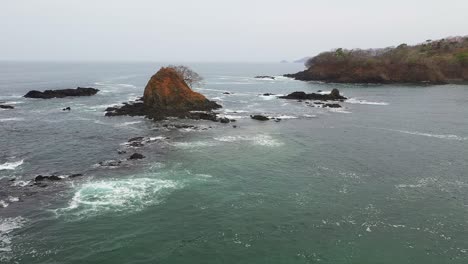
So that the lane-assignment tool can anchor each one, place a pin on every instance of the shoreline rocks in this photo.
(49, 94)
(265, 77)
(259, 117)
(333, 96)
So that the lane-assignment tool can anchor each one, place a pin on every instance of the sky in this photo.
(217, 30)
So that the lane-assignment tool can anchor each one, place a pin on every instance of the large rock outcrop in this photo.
(167, 94)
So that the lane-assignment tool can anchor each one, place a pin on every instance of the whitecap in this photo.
(116, 196)
(439, 136)
(8, 225)
(364, 102)
(11, 119)
(285, 117)
(20, 183)
(3, 204)
(194, 144)
(11, 165)
(261, 140)
(339, 110)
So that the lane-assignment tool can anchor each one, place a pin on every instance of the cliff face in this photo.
(166, 92)
(441, 61)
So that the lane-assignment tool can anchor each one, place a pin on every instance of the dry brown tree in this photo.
(190, 77)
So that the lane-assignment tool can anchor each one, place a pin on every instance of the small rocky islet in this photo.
(62, 93)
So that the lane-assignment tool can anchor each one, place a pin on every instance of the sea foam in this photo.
(11, 165)
(116, 196)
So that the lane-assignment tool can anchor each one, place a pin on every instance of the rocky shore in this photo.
(433, 62)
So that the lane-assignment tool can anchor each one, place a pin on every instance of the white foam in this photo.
(129, 123)
(260, 140)
(364, 102)
(439, 136)
(11, 165)
(285, 117)
(116, 195)
(194, 144)
(3, 204)
(11, 119)
(235, 111)
(20, 183)
(7, 225)
(338, 110)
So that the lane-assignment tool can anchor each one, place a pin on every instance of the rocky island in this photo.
(49, 94)
(434, 62)
(168, 95)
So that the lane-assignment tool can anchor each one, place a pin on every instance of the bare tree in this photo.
(190, 77)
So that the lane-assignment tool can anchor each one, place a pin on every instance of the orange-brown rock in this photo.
(167, 92)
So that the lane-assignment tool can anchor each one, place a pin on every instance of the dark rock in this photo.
(122, 152)
(136, 156)
(50, 178)
(268, 94)
(332, 105)
(48, 94)
(202, 116)
(259, 117)
(110, 163)
(334, 96)
(136, 139)
(136, 144)
(75, 175)
(6, 107)
(227, 93)
(66, 109)
(265, 77)
(234, 126)
(224, 120)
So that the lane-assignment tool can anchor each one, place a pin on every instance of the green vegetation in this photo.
(438, 61)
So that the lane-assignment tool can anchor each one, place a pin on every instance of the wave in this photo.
(11, 165)
(21, 183)
(285, 117)
(364, 102)
(194, 144)
(8, 225)
(439, 136)
(11, 119)
(260, 140)
(126, 195)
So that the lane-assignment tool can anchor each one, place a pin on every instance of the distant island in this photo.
(434, 62)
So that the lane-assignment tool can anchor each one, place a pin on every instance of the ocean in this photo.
(382, 180)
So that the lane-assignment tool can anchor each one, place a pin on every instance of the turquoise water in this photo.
(383, 180)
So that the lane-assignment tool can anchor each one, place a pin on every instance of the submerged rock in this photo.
(333, 96)
(332, 105)
(6, 107)
(136, 156)
(40, 178)
(48, 94)
(259, 117)
(265, 77)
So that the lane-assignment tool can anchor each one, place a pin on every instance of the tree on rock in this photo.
(190, 77)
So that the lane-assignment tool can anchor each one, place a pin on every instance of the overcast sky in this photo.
(216, 30)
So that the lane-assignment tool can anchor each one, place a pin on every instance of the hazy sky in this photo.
(216, 30)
